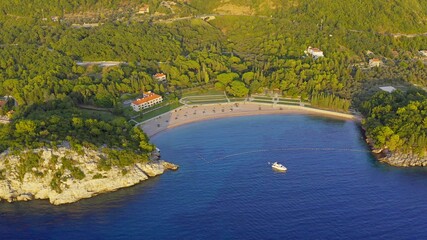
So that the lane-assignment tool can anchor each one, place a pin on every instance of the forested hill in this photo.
(406, 16)
(380, 15)
(57, 7)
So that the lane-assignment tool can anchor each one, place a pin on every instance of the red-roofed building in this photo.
(2, 103)
(160, 76)
(148, 100)
(144, 9)
(375, 62)
(315, 52)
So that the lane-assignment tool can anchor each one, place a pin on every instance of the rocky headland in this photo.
(66, 176)
(395, 158)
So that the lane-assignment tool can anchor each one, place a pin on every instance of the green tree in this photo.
(237, 89)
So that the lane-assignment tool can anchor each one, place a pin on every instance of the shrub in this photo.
(97, 176)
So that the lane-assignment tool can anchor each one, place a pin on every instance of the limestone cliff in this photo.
(83, 179)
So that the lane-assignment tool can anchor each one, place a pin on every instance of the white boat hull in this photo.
(279, 167)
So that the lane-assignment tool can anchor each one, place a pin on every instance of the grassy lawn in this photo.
(147, 114)
(207, 101)
(201, 92)
(261, 101)
(288, 103)
(205, 97)
(263, 98)
(237, 99)
(289, 100)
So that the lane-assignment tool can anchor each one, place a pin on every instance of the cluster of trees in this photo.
(37, 63)
(51, 123)
(329, 101)
(238, 54)
(9, 105)
(398, 120)
(381, 15)
(40, 8)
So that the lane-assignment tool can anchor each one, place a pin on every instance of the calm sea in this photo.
(225, 189)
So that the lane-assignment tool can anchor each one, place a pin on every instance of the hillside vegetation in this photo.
(406, 16)
(248, 47)
(382, 15)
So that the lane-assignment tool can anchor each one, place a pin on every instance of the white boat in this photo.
(279, 167)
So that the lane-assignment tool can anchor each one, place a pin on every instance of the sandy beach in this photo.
(195, 113)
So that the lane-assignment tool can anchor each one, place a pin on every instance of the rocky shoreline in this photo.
(395, 158)
(403, 160)
(50, 180)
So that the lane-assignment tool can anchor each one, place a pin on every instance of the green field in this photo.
(205, 99)
(201, 92)
(237, 99)
(195, 99)
(263, 98)
(148, 114)
(288, 103)
(208, 101)
(261, 101)
(289, 100)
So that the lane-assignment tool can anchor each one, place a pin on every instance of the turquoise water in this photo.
(225, 189)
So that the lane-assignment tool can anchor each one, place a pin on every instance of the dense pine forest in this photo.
(397, 120)
(241, 47)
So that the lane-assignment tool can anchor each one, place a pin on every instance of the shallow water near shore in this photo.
(225, 189)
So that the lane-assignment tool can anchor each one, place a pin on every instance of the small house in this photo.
(160, 77)
(149, 99)
(144, 9)
(375, 62)
(315, 52)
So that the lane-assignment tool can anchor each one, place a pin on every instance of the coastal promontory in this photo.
(65, 155)
(396, 125)
(64, 176)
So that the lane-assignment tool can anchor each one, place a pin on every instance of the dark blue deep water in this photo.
(225, 189)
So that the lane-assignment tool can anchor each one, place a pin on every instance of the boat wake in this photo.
(281, 150)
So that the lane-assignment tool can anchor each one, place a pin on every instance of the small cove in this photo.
(225, 189)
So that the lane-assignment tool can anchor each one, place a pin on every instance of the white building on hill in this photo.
(315, 52)
(375, 62)
(160, 77)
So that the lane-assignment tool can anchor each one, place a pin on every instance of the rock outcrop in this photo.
(403, 159)
(395, 158)
(51, 180)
